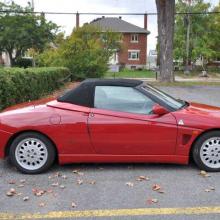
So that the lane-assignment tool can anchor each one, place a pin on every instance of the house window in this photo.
(133, 54)
(134, 38)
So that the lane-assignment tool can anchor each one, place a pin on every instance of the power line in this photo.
(99, 13)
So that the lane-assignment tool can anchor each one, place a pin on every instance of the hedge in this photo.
(21, 85)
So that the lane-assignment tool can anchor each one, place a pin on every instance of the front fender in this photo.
(4, 138)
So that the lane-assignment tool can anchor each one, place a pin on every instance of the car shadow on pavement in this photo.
(95, 167)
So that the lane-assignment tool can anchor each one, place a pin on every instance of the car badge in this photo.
(181, 122)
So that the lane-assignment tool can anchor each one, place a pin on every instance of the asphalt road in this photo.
(114, 186)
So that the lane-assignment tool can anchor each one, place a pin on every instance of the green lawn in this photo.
(131, 74)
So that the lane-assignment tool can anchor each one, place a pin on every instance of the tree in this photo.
(21, 31)
(86, 52)
(166, 10)
(193, 34)
(215, 31)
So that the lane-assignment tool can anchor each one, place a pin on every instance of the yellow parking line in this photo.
(114, 212)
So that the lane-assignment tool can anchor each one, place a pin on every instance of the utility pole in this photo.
(77, 19)
(188, 22)
(32, 4)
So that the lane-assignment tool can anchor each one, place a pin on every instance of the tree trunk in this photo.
(166, 10)
(12, 60)
(1, 59)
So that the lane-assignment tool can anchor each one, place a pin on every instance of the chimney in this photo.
(77, 20)
(145, 21)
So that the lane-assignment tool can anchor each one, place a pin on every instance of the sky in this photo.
(67, 22)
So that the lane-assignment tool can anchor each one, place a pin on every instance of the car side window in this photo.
(123, 99)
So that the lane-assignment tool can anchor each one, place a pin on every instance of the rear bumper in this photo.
(4, 138)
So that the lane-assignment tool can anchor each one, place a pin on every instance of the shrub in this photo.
(24, 62)
(20, 85)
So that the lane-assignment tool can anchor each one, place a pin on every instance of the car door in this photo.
(122, 123)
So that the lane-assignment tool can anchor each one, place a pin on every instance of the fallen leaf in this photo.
(54, 194)
(20, 185)
(11, 192)
(42, 204)
(38, 192)
(57, 174)
(204, 173)
(22, 181)
(78, 172)
(210, 189)
(62, 186)
(19, 194)
(130, 184)
(73, 204)
(79, 181)
(64, 177)
(152, 200)
(156, 187)
(142, 178)
(55, 184)
(75, 171)
(26, 198)
(11, 182)
(50, 191)
(92, 182)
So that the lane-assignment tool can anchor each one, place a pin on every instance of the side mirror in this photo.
(159, 110)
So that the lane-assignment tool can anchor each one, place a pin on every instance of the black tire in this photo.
(197, 147)
(51, 153)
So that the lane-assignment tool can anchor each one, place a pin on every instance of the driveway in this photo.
(116, 191)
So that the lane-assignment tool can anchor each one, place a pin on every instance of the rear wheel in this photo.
(32, 153)
(206, 151)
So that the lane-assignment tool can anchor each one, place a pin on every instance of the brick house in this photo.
(133, 54)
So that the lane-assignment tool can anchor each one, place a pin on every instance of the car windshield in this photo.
(169, 100)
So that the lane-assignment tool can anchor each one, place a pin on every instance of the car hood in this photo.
(199, 115)
(203, 109)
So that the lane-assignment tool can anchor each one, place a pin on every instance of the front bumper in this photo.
(4, 138)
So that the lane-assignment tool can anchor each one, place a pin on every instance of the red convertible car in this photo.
(104, 120)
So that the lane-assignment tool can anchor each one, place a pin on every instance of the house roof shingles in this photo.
(117, 25)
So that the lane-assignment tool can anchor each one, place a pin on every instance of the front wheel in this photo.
(206, 151)
(32, 153)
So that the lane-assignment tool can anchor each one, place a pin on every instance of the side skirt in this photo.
(96, 158)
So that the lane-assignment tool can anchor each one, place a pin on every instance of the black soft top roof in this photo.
(113, 82)
(84, 93)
